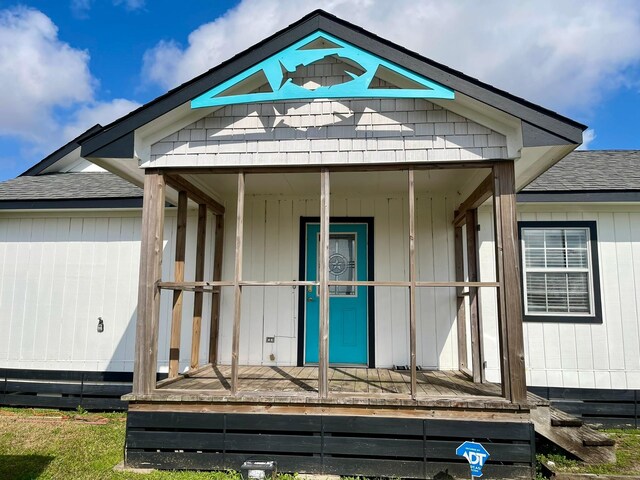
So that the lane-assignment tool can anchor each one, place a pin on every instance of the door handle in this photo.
(309, 299)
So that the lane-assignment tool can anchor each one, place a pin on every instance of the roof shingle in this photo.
(591, 170)
(63, 186)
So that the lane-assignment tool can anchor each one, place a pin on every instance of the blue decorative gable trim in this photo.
(302, 54)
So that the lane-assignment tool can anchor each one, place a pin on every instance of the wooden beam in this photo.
(176, 314)
(177, 182)
(412, 286)
(480, 195)
(477, 352)
(235, 342)
(146, 353)
(198, 297)
(323, 289)
(214, 331)
(378, 167)
(461, 316)
(509, 295)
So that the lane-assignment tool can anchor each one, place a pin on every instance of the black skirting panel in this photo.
(598, 407)
(338, 445)
(64, 389)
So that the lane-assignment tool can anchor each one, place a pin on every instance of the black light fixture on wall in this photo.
(100, 325)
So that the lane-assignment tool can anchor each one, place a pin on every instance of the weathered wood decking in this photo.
(347, 386)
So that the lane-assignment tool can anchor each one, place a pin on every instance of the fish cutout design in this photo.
(346, 71)
(291, 61)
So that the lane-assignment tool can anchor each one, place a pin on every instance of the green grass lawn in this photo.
(49, 444)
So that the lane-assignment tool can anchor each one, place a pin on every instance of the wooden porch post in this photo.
(412, 281)
(145, 363)
(461, 315)
(514, 386)
(323, 289)
(217, 292)
(176, 316)
(235, 345)
(198, 296)
(477, 353)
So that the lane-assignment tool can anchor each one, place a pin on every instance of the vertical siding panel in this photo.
(124, 309)
(286, 270)
(5, 286)
(107, 340)
(599, 347)
(353, 208)
(226, 306)
(20, 291)
(398, 258)
(257, 256)
(96, 296)
(426, 314)
(132, 299)
(58, 289)
(442, 317)
(31, 329)
(633, 372)
(384, 334)
(488, 305)
(611, 294)
(272, 249)
(627, 292)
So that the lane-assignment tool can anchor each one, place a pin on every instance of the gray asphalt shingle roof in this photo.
(580, 171)
(591, 170)
(63, 186)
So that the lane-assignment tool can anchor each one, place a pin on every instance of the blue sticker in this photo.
(475, 454)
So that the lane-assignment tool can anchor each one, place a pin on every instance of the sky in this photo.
(66, 65)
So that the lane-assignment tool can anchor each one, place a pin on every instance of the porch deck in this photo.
(347, 386)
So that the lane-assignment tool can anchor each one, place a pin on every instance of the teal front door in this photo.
(347, 305)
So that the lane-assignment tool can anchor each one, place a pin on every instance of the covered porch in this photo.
(217, 370)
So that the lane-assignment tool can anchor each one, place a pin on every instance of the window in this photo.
(560, 272)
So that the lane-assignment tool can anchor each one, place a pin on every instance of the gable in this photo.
(117, 140)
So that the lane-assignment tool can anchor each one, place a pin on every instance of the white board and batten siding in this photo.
(60, 272)
(575, 355)
(271, 252)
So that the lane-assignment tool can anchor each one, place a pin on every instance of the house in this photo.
(299, 248)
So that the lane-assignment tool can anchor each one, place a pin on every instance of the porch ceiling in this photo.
(343, 183)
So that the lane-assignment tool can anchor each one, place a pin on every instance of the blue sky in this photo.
(68, 64)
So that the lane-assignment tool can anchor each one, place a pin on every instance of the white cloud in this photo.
(97, 112)
(588, 136)
(130, 4)
(38, 73)
(563, 55)
(48, 93)
(80, 8)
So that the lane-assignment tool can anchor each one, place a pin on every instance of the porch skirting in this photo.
(326, 444)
